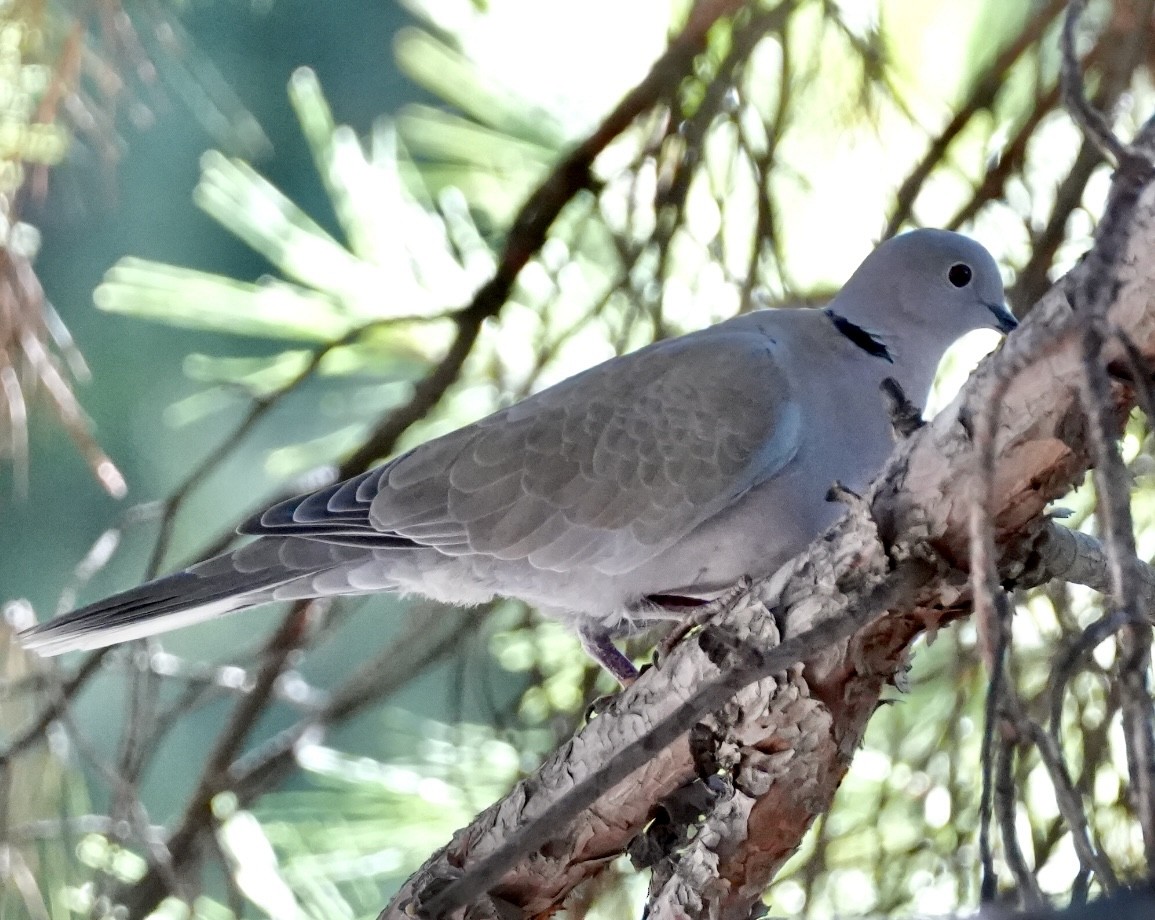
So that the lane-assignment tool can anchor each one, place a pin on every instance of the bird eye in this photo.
(959, 275)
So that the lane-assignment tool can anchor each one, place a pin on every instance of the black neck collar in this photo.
(860, 337)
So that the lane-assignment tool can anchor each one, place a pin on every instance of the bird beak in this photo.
(1004, 319)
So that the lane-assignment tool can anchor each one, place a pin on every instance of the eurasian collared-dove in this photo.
(630, 490)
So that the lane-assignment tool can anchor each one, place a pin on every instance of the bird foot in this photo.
(905, 416)
(702, 613)
(839, 493)
(723, 602)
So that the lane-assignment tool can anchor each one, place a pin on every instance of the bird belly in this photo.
(571, 596)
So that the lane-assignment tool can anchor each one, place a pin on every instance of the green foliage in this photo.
(399, 261)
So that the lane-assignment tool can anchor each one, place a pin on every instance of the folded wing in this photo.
(603, 471)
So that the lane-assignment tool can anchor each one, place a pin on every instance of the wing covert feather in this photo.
(605, 469)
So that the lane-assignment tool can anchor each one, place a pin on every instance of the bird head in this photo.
(926, 285)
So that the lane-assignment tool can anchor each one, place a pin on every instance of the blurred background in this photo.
(236, 235)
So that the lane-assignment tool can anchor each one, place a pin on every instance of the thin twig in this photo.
(62, 696)
(1006, 809)
(1125, 52)
(142, 896)
(1067, 798)
(983, 93)
(1114, 510)
(988, 887)
(1091, 120)
(374, 681)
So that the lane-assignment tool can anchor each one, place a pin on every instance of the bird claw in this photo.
(839, 493)
(905, 416)
(702, 615)
(724, 602)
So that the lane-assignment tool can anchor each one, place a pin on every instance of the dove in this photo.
(632, 491)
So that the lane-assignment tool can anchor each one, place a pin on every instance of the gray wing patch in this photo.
(604, 470)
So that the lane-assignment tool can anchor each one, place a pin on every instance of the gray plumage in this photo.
(656, 478)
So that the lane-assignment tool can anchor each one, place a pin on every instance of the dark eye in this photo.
(959, 275)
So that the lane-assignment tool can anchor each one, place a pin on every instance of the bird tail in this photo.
(234, 581)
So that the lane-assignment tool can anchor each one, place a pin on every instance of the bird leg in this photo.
(600, 648)
(905, 416)
(701, 612)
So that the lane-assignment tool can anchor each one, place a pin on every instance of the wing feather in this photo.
(605, 469)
